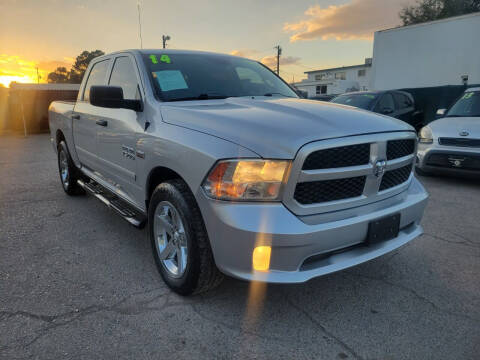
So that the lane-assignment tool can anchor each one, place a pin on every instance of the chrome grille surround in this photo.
(371, 191)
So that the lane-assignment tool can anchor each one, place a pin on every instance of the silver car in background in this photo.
(452, 144)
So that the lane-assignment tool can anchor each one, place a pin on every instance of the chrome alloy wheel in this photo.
(63, 164)
(170, 239)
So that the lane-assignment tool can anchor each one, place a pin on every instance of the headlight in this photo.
(247, 179)
(426, 136)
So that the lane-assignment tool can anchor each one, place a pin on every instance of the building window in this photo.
(340, 75)
(362, 72)
(321, 89)
(321, 76)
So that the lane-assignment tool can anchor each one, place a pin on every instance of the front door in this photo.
(116, 139)
(85, 117)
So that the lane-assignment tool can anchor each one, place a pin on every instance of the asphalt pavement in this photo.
(78, 282)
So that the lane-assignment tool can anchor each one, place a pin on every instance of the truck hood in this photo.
(453, 126)
(276, 127)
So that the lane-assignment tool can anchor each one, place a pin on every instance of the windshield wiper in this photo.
(277, 93)
(201, 97)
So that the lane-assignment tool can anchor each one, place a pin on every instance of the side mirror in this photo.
(387, 110)
(112, 97)
(440, 113)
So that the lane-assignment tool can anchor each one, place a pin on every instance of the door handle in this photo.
(102, 122)
(76, 117)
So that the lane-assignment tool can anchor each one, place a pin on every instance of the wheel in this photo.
(179, 240)
(69, 174)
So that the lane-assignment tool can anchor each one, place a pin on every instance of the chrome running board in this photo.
(121, 207)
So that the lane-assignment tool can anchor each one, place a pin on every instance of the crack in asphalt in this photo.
(416, 294)
(466, 241)
(228, 326)
(463, 237)
(339, 341)
(139, 307)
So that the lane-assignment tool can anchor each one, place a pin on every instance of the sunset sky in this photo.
(313, 34)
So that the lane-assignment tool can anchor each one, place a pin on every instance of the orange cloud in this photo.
(271, 61)
(248, 53)
(358, 19)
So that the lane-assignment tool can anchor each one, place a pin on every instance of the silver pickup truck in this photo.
(232, 172)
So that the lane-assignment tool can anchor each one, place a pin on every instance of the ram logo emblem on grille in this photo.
(379, 168)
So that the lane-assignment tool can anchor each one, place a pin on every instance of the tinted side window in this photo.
(385, 102)
(402, 101)
(96, 77)
(123, 75)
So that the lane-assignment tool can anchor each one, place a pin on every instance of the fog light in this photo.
(261, 258)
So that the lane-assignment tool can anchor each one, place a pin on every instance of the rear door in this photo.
(86, 115)
(116, 141)
(404, 107)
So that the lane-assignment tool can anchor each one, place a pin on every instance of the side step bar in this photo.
(126, 211)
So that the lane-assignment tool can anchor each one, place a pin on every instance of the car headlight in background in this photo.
(249, 179)
(425, 136)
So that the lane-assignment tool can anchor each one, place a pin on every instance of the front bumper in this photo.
(469, 166)
(304, 247)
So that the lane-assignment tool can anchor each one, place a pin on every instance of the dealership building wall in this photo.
(437, 53)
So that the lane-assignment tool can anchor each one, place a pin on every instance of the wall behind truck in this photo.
(30, 102)
(432, 54)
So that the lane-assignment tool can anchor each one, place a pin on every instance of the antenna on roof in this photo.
(139, 25)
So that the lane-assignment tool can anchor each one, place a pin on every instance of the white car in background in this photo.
(451, 144)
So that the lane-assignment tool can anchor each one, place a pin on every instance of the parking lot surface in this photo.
(78, 282)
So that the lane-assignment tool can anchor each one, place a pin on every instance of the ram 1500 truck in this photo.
(232, 172)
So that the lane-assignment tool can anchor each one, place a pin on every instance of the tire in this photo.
(69, 173)
(179, 240)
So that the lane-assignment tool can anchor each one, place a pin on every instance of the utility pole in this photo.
(165, 38)
(139, 25)
(38, 76)
(279, 52)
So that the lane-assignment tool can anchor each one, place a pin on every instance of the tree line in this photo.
(429, 10)
(75, 74)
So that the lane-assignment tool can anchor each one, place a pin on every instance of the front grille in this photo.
(400, 148)
(335, 174)
(350, 155)
(329, 190)
(395, 177)
(463, 142)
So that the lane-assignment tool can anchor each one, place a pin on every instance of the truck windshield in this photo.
(178, 77)
(467, 105)
(362, 101)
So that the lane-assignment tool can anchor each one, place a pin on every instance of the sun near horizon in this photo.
(6, 80)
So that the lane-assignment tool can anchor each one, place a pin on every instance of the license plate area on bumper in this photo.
(383, 229)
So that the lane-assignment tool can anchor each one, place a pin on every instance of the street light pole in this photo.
(165, 38)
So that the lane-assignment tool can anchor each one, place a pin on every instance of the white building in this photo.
(436, 53)
(336, 80)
